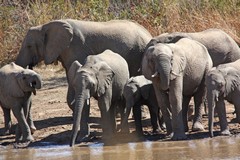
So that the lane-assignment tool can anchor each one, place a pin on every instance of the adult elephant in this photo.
(221, 47)
(69, 40)
(16, 86)
(177, 71)
(222, 84)
(103, 77)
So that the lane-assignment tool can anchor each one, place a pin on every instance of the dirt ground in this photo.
(53, 118)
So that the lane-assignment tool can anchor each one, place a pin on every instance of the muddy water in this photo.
(216, 148)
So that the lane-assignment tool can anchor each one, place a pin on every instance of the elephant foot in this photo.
(85, 138)
(25, 140)
(169, 135)
(33, 129)
(156, 131)
(225, 132)
(179, 136)
(197, 126)
(163, 127)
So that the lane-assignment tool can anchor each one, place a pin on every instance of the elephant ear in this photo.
(72, 71)
(232, 81)
(57, 37)
(104, 77)
(13, 87)
(178, 64)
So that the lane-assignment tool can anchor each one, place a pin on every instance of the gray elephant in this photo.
(103, 77)
(223, 83)
(16, 86)
(221, 47)
(177, 71)
(137, 92)
(68, 40)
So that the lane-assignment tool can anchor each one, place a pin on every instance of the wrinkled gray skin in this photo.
(221, 47)
(103, 77)
(223, 83)
(177, 71)
(16, 87)
(68, 40)
(137, 92)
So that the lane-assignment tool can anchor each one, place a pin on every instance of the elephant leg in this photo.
(7, 121)
(186, 100)
(84, 131)
(104, 104)
(137, 115)
(221, 110)
(199, 107)
(29, 117)
(160, 120)
(22, 124)
(175, 97)
(163, 103)
(124, 118)
(154, 118)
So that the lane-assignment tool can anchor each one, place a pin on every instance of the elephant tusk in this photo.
(155, 74)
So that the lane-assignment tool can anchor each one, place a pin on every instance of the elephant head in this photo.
(220, 83)
(23, 80)
(168, 38)
(90, 80)
(135, 91)
(160, 62)
(45, 42)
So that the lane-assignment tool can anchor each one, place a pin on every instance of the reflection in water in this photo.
(216, 148)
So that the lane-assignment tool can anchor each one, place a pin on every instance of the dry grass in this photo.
(157, 16)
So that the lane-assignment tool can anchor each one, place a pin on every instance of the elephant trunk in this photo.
(164, 68)
(211, 107)
(80, 101)
(37, 82)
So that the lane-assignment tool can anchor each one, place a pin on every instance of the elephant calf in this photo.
(103, 77)
(137, 92)
(16, 86)
(223, 83)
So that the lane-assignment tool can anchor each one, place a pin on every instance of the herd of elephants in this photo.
(122, 66)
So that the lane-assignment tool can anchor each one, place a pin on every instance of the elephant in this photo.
(137, 92)
(68, 40)
(16, 86)
(221, 47)
(223, 83)
(103, 77)
(177, 71)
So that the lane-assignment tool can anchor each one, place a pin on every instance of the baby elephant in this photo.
(16, 86)
(137, 92)
(223, 83)
(103, 77)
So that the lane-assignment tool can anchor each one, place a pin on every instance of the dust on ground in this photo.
(53, 118)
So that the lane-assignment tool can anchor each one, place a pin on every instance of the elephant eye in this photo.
(29, 46)
(24, 77)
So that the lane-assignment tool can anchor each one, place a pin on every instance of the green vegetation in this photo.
(157, 16)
